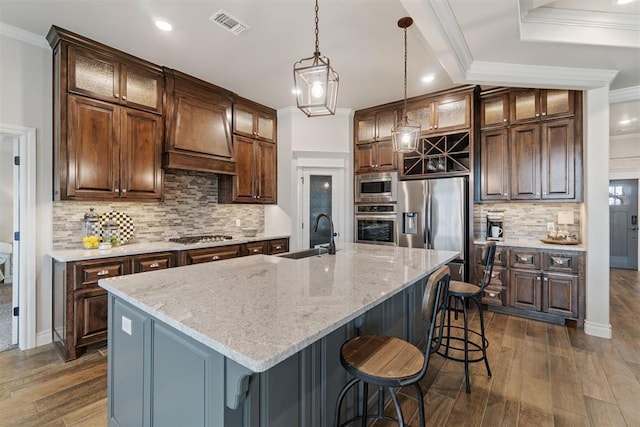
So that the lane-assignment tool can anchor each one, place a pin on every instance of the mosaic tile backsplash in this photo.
(190, 207)
(526, 221)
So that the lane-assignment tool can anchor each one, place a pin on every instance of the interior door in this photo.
(320, 194)
(623, 223)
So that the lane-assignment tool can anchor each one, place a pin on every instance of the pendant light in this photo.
(406, 133)
(316, 83)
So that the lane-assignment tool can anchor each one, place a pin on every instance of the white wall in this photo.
(6, 188)
(26, 88)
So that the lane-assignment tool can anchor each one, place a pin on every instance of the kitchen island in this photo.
(255, 340)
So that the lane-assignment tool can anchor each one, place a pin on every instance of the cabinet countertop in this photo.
(259, 310)
(535, 244)
(67, 255)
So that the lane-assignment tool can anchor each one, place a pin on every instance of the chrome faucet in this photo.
(332, 242)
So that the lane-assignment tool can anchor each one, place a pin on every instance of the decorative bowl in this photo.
(249, 232)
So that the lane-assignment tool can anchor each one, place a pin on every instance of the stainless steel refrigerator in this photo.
(433, 214)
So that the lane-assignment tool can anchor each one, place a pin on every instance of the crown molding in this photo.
(624, 95)
(504, 74)
(23, 36)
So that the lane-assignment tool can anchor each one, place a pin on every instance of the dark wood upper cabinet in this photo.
(494, 161)
(103, 76)
(558, 159)
(445, 112)
(107, 122)
(540, 104)
(525, 162)
(375, 157)
(374, 126)
(494, 111)
(197, 125)
(254, 121)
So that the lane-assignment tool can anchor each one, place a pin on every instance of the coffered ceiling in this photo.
(563, 43)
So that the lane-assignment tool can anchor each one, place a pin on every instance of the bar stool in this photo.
(464, 292)
(391, 363)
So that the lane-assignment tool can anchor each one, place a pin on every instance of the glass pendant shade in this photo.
(406, 136)
(316, 85)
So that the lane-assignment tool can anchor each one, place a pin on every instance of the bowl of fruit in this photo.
(91, 242)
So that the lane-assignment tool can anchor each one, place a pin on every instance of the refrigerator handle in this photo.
(427, 220)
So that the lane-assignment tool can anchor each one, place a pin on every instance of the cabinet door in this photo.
(201, 126)
(91, 308)
(557, 103)
(421, 113)
(453, 113)
(266, 126)
(364, 157)
(386, 121)
(197, 256)
(243, 120)
(524, 106)
(152, 262)
(141, 158)
(93, 74)
(365, 129)
(243, 183)
(386, 157)
(560, 294)
(494, 165)
(266, 178)
(558, 159)
(141, 88)
(93, 149)
(494, 111)
(525, 289)
(525, 162)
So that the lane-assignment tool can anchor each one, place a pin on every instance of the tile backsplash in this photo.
(526, 221)
(190, 207)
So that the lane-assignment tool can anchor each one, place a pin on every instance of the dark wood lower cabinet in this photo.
(79, 305)
(546, 284)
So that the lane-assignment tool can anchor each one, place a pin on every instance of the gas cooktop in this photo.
(187, 240)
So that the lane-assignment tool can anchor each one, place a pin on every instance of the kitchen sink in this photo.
(305, 253)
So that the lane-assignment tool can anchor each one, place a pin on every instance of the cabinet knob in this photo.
(124, 98)
(537, 114)
(505, 194)
(278, 247)
(544, 113)
(538, 193)
(215, 258)
(103, 273)
(115, 95)
(124, 190)
(255, 251)
(504, 120)
(154, 265)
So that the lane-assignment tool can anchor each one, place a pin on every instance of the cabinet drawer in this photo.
(256, 248)
(197, 256)
(562, 262)
(87, 274)
(158, 261)
(500, 257)
(498, 277)
(278, 246)
(525, 258)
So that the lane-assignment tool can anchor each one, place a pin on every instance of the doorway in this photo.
(8, 223)
(21, 232)
(322, 192)
(623, 223)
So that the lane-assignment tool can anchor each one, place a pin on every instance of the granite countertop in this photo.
(535, 244)
(66, 255)
(259, 310)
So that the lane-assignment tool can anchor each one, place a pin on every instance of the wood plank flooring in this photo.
(543, 375)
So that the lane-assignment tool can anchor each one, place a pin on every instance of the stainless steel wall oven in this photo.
(376, 224)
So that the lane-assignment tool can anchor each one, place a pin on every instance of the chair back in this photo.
(434, 301)
(488, 258)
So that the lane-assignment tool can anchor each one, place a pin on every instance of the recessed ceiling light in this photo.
(621, 2)
(627, 121)
(428, 78)
(295, 91)
(163, 25)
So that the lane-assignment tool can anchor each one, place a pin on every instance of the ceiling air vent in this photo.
(228, 22)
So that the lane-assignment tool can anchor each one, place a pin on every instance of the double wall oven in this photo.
(375, 210)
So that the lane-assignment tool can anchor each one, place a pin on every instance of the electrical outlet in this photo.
(126, 325)
(238, 222)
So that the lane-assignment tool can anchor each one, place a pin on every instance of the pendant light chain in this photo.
(404, 115)
(317, 32)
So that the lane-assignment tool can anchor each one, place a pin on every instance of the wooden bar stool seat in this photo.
(389, 362)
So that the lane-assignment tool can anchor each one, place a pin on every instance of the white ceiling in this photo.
(565, 43)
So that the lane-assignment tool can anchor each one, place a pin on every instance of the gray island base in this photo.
(255, 341)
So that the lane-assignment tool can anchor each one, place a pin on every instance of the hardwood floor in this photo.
(543, 375)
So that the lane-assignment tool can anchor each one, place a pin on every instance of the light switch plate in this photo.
(126, 325)
(237, 222)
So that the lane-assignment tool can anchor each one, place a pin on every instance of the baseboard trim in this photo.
(43, 338)
(598, 329)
